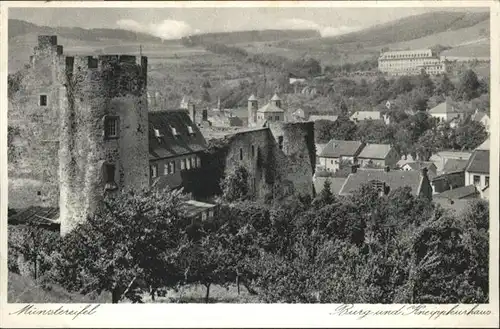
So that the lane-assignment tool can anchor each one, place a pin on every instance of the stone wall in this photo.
(95, 88)
(279, 158)
(36, 142)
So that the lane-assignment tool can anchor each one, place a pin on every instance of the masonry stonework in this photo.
(99, 88)
(34, 111)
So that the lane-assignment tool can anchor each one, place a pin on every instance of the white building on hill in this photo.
(410, 62)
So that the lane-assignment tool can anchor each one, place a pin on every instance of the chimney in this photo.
(354, 169)
(387, 169)
(204, 115)
(192, 112)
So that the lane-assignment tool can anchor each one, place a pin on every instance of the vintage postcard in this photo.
(249, 164)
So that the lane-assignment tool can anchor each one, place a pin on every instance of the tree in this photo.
(323, 131)
(444, 86)
(401, 85)
(235, 185)
(469, 134)
(205, 96)
(34, 245)
(468, 86)
(133, 240)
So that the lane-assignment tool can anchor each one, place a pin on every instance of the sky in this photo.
(173, 23)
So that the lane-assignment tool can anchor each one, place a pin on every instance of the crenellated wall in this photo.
(98, 88)
(33, 171)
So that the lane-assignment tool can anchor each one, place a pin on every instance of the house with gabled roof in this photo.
(483, 118)
(446, 112)
(378, 155)
(175, 144)
(389, 180)
(419, 165)
(338, 151)
(477, 172)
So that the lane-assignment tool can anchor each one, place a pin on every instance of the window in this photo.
(92, 63)
(211, 213)
(241, 154)
(188, 164)
(253, 151)
(165, 169)
(190, 130)
(487, 181)
(198, 162)
(174, 132)
(154, 171)
(111, 127)
(183, 164)
(193, 162)
(476, 179)
(109, 176)
(203, 215)
(43, 100)
(171, 166)
(280, 142)
(277, 118)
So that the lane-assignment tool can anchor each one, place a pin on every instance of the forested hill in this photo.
(20, 28)
(250, 36)
(412, 27)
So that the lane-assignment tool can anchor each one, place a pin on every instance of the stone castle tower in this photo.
(103, 132)
(252, 110)
(83, 130)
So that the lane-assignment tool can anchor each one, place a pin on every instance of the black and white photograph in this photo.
(249, 155)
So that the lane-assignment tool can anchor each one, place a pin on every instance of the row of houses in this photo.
(450, 178)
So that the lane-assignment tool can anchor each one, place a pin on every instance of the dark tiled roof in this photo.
(375, 151)
(170, 145)
(479, 162)
(458, 206)
(454, 165)
(394, 179)
(459, 193)
(336, 148)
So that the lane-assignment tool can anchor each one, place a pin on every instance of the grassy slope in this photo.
(410, 28)
(25, 290)
(448, 38)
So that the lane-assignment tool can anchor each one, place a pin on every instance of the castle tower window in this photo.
(241, 153)
(109, 177)
(253, 151)
(43, 100)
(92, 63)
(154, 171)
(158, 133)
(280, 142)
(111, 125)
